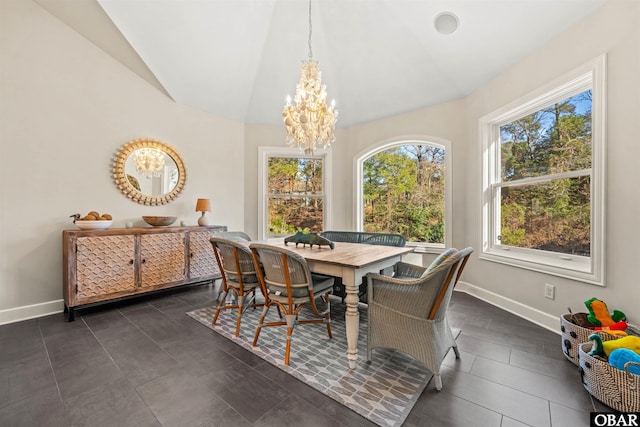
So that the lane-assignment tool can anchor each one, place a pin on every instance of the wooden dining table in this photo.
(351, 262)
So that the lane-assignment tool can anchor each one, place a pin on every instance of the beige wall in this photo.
(274, 136)
(66, 108)
(614, 30)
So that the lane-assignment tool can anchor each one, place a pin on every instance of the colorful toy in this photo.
(613, 332)
(618, 326)
(599, 313)
(620, 356)
(617, 329)
(601, 348)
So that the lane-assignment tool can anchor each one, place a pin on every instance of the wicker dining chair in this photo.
(410, 314)
(404, 270)
(238, 276)
(287, 283)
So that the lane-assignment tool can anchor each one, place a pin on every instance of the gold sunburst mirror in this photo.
(149, 172)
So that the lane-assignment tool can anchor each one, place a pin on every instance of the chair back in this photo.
(284, 273)
(441, 303)
(425, 297)
(440, 258)
(233, 235)
(342, 236)
(466, 252)
(412, 296)
(385, 239)
(235, 262)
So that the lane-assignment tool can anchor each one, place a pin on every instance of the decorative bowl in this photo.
(159, 221)
(93, 225)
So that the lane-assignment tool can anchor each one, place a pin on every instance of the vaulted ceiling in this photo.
(240, 58)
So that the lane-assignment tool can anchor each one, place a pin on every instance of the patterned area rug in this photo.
(383, 392)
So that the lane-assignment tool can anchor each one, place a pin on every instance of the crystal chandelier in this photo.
(309, 121)
(149, 161)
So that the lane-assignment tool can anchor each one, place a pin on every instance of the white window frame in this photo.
(585, 269)
(397, 142)
(264, 153)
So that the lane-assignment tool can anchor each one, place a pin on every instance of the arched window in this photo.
(404, 186)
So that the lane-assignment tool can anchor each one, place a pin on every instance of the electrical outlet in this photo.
(549, 291)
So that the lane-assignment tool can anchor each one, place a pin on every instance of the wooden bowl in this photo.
(159, 221)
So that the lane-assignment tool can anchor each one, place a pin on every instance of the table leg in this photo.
(352, 322)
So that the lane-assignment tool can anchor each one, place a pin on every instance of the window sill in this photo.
(555, 266)
(425, 248)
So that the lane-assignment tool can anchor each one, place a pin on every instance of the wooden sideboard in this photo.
(103, 265)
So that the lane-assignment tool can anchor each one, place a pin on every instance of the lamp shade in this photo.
(203, 205)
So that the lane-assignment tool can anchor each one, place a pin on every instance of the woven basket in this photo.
(574, 335)
(614, 387)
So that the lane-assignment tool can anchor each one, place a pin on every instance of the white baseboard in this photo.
(531, 314)
(26, 312)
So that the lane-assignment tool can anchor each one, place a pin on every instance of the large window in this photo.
(404, 188)
(294, 192)
(544, 178)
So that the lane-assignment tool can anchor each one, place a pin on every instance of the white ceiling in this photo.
(240, 58)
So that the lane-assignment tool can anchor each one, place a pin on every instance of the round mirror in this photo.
(149, 172)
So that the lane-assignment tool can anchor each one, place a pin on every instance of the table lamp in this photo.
(203, 205)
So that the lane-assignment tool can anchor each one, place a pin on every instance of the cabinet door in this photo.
(202, 261)
(162, 259)
(105, 266)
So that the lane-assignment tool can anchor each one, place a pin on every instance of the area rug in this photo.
(383, 391)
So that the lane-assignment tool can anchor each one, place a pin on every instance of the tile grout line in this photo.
(135, 389)
(53, 372)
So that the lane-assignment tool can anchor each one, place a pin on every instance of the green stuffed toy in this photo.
(599, 313)
(605, 348)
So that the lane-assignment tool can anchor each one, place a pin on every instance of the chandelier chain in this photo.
(308, 120)
(310, 30)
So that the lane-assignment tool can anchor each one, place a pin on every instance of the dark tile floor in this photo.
(143, 362)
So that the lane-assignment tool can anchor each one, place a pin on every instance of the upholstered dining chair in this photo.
(410, 313)
(384, 239)
(238, 276)
(287, 283)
